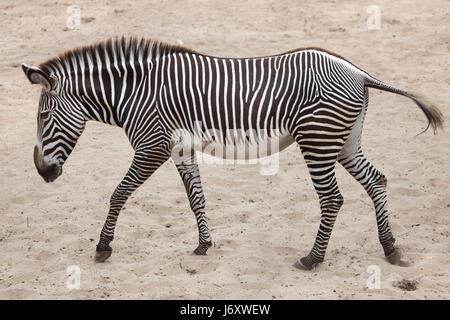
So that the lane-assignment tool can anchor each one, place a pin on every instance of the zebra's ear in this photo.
(37, 76)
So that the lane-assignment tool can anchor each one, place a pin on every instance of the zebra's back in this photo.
(232, 99)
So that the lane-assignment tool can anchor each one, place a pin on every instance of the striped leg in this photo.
(331, 200)
(320, 145)
(143, 165)
(189, 172)
(374, 182)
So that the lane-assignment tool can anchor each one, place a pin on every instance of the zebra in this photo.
(312, 97)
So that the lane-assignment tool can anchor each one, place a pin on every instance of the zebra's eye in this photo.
(44, 115)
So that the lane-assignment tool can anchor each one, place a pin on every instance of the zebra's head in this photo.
(60, 123)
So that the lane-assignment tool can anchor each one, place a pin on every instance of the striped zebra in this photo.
(154, 91)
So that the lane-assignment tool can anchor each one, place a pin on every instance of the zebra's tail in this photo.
(431, 111)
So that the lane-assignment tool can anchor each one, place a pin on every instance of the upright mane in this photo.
(128, 48)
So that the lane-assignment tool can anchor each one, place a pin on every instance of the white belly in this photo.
(246, 149)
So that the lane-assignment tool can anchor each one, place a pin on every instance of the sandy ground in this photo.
(260, 224)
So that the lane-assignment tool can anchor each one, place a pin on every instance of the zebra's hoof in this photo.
(395, 258)
(305, 263)
(202, 248)
(101, 256)
(102, 253)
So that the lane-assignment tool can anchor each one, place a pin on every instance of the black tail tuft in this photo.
(434, 115)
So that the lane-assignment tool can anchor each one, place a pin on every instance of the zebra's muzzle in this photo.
(48, 172)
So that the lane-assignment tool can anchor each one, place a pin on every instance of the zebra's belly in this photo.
(245, 149)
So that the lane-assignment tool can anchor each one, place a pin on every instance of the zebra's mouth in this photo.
(50, 173)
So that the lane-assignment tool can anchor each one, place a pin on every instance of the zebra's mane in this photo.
(129, 48)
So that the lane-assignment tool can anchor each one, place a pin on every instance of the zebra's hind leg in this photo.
(190, 174)
(324, 180)
(374, 182)
(143, 165)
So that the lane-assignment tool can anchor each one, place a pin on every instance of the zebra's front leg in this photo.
(190, 174)
(143, 165)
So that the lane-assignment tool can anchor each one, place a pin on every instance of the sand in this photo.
(260, 224)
